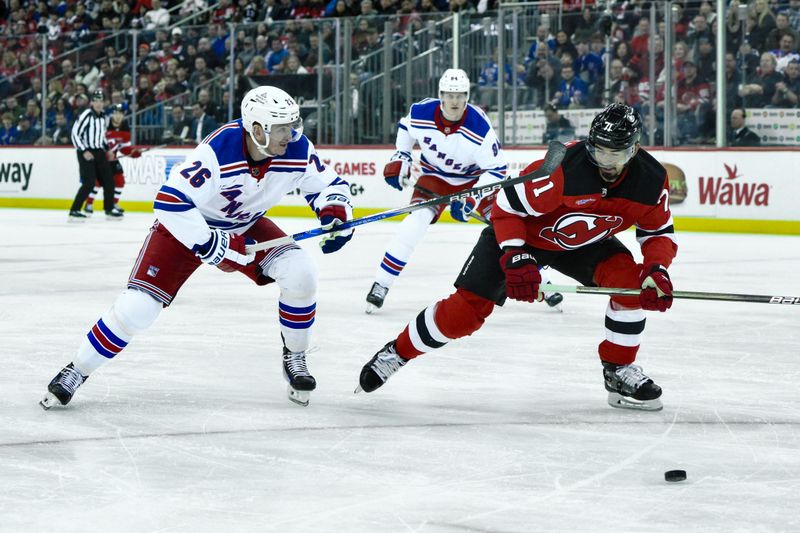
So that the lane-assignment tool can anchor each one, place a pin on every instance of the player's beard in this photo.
(609, 175)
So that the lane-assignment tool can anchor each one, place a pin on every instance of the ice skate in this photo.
(553, 299)
(88, 210)
(301, 382)
(380, 368)
(62, 387)
(376, 296)
(629, 388)
(76, 216)
(114, 214)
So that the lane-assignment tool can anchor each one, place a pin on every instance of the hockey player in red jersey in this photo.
(119, 144)
(567, 220)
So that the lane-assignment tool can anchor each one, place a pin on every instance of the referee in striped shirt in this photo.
(89, 138)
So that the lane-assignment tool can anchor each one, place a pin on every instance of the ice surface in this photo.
(189, 429)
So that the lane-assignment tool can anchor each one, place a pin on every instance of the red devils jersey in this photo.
(574, 207)
(119, 138)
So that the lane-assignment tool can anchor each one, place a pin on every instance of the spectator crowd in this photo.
(182, 60)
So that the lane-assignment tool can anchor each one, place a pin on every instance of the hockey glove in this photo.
(461, 209)
(522, 275)
(398, 170)
(131, 152)
(225, 251)
(656, 292)
(331, 216)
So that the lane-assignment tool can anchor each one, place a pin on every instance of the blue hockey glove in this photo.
(460, 210)
(329, 217)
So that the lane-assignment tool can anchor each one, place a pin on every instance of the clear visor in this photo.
(286, 132)
(610, 159)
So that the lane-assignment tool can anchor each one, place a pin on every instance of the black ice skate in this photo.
(62, 387)
(553, 299)
(77, 216)
(301, 382)
(376, 296)
(380, 368)
(114, 214)
(629, 388)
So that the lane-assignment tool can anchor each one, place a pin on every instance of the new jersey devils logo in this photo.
(579, 229)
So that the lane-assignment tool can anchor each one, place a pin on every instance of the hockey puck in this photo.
(675, 475)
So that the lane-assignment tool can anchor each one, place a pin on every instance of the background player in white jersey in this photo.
(210, 205)
(460, 150)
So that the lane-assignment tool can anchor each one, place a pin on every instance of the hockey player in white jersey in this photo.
(460, 150)
(210, 206)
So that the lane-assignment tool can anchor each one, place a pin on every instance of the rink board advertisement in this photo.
(711, 190)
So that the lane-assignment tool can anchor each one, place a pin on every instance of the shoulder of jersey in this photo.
(424, 109)
(643, 183)
(477, 122)
(648, 177)
(226, 142)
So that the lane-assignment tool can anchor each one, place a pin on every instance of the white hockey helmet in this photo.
(270, 106)
(454, 80)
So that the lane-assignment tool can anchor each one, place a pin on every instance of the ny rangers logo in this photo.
(579, 229)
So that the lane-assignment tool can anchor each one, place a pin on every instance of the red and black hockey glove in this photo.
(131, 152)
(522, 275)
(656, 292)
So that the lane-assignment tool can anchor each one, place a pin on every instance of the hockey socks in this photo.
(409, 234)
(296, 321)
(132, 312)
(624, 328)
(459, 315)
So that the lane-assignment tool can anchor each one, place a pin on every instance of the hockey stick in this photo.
(473, 214)
(145, 150)
(686, 295)
(552, 159)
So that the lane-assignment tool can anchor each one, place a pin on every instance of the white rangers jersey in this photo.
(217, 187)
(456, 153)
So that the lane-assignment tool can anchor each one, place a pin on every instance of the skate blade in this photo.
(72, 220)
(299, 397)
(371, 309)
(48, 401)
(557, 308)
(624, 402)
(358, 389)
